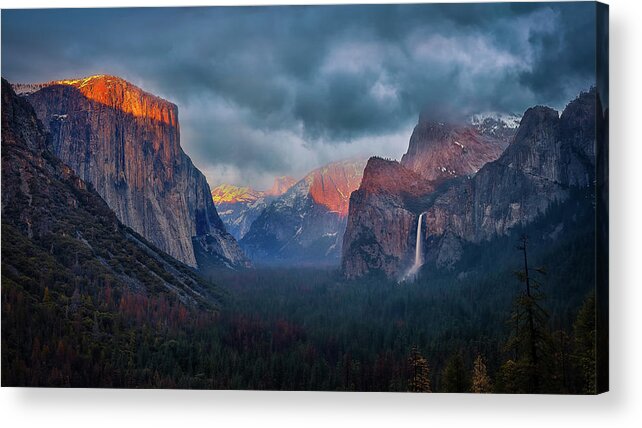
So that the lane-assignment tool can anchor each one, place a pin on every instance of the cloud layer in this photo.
(280, 90)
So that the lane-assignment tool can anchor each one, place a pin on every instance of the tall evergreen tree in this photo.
(510, 378)
(480, 382)
(561, 378)
(530, 338)
(455, 377)
(419, 380)
(584, 347)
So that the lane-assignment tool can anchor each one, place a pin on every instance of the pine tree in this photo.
(584, 347)
(419, 372)
(530, 340)
(561, 376)
(46, 298)
(454, 377)
(480, 379)
(510, 378)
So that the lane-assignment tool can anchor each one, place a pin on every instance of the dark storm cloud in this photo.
(266, 91)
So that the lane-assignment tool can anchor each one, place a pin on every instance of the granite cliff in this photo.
(441, 150)
(471, 192)
(126, 143)
(382, 218)
(550, 156)
(56, 227)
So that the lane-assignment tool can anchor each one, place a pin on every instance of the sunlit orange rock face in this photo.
(230, 194)
(382, 223)
(388, 176)
(126, 142)
(156, 119)
(238, 207)
(119, 94)
(281, 185)
(332, 185)
(305, 225)
(136, 133)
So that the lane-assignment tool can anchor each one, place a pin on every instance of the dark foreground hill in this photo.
(73, 276)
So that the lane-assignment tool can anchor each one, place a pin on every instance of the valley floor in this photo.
(291, 329)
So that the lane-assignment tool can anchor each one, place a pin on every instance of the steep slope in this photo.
(58, 233)
(440, 150)
(548, 158)
(382, 219)
(281, 185)
(126, 143)
(381, 228)
(238, 207)
(230, 194)
(306, 223)
(500, 126)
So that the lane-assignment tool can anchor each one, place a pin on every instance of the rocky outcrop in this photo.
(238, 207)
(548, 157)
(499, 126)
(306, 223)
(230, 194)
(440, 150)
(382, 222)
(382, 225)
(330, 186)
(126, 143)
(281, 185)
(55, 220)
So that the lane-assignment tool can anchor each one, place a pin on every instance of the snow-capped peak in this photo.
(507, 120)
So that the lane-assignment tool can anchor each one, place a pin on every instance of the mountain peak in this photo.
(226, 193)
(442, 150)
(306, 223)
(535, 120)
(507, 120)
(389, 176)
(230, 194)
(281, 185)
(114, 92)
(332, 184)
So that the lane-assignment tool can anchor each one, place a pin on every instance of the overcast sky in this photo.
(281, 90)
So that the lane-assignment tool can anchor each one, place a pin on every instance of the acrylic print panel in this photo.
(404, 198)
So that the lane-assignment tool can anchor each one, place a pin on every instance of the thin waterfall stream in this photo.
(419, 253)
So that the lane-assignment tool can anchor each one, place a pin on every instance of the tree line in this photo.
(305, 329)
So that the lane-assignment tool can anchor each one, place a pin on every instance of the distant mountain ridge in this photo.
(281, 185)
(126, 142)
(306, 223)
(230, 194)
(238, 207)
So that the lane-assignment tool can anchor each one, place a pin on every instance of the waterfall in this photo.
(419, 254)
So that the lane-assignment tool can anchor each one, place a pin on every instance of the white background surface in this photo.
(620, 407)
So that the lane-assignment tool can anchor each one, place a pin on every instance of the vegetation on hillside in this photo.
(302, 330)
